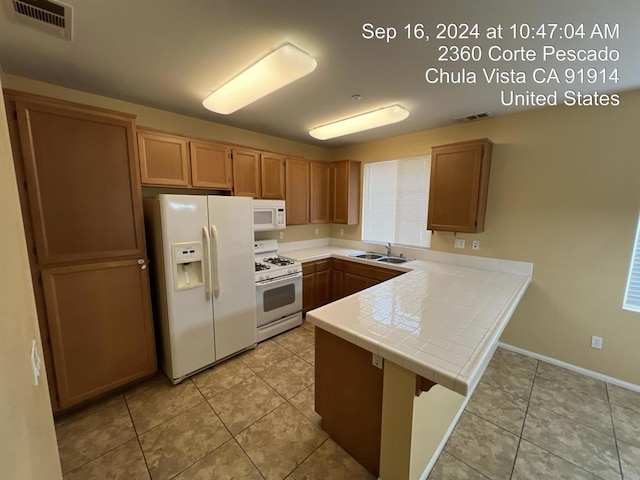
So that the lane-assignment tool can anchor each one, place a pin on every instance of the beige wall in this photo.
(27, 438)
(564, 193)
(171, 122)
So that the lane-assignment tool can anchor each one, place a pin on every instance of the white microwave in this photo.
(268, 215)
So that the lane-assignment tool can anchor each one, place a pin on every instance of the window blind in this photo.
(632, 294)
(396, 194)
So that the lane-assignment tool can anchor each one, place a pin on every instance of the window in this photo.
(632, 294)
(396, 194)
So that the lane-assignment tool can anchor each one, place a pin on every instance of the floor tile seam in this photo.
(231, 437)
(100, 455)
(615, 436)
(144, 457)
(466, 464)
(249, 456)
(574, 390)
(72, 413)
(305, 458)
(303, 414)
(507, 391)
(158, 374)
(226, 389)
(609, 433)
(492, 422)
(200, 459)
(298, 355)
(284, 400)
(526, 412)
(169, 419)
(234, 386)
(562, 458)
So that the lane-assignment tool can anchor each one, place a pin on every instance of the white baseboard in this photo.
(570, 366)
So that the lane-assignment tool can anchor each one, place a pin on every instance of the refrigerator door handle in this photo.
(216, 279)
(207, 266)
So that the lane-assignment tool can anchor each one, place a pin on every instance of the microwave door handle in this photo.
(215, 263)
(207, 263)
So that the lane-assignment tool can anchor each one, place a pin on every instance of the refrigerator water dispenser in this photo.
(187, 265)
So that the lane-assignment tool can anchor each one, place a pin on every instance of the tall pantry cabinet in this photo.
(81, 200)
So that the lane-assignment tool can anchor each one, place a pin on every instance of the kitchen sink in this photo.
(392, 260)
(368, 256)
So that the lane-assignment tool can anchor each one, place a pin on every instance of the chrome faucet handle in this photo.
(389, 248)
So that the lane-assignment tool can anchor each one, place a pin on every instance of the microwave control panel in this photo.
(281, 219)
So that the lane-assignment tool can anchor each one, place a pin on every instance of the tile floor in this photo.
(530, 420)
(252, 417)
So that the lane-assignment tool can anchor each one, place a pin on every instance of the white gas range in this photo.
(278, 290)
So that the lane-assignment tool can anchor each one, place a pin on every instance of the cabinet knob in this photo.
(140, 261)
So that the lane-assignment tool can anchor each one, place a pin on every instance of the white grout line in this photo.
(572, 367)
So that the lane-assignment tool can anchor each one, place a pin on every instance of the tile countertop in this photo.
(440, 321)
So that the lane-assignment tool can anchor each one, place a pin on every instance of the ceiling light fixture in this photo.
(358, 123)
(279, 68)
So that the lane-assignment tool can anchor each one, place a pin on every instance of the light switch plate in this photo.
(458, 243)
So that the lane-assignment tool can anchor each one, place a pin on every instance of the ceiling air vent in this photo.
(45, 15)
(476, 116)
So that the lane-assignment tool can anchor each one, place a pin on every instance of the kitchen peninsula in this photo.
(379, 352)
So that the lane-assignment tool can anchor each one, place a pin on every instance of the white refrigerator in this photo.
(202, 266)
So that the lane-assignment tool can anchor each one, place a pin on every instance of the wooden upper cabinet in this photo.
(82, 182)
(164, 159)
(272, 176)
(297, 190)
(320, 188)
(101, 329)
(459, 185)
(210, 165)
(345, 192)
(246, 172)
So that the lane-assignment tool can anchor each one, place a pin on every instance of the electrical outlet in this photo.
(475, 245)
(281, 235)
(341, 231)
(458, 243)
(317, 231)
(596, 342)
(377, 361)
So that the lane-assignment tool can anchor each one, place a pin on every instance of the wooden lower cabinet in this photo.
(308, 291)
(337, 277)
(101, 329)
(348, 397)
(325, 281)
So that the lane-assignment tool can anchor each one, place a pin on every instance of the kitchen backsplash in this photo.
(484, 263)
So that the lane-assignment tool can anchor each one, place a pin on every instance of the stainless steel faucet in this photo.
(389, 254)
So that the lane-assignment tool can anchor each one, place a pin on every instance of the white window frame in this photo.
(367, 201)
(632, 291)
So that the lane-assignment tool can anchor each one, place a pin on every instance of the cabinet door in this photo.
(164, 159)
(272, 176)
(337, 267)
(323, 287)
(210, 165)
(345, 192)
(101, 327)
(320, 207)
(353, 283)
(84, 193)
(308, 292)
(297, 191)
(458, 186)
(246, 173)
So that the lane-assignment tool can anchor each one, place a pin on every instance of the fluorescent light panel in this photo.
(281, 67)
(364, 121)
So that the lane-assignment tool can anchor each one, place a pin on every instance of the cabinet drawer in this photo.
(375, 273)
(308, 268)
(322, 265)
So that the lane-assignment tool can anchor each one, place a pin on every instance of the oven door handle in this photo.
(276, 281)
(207, 266)
(216, 277)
